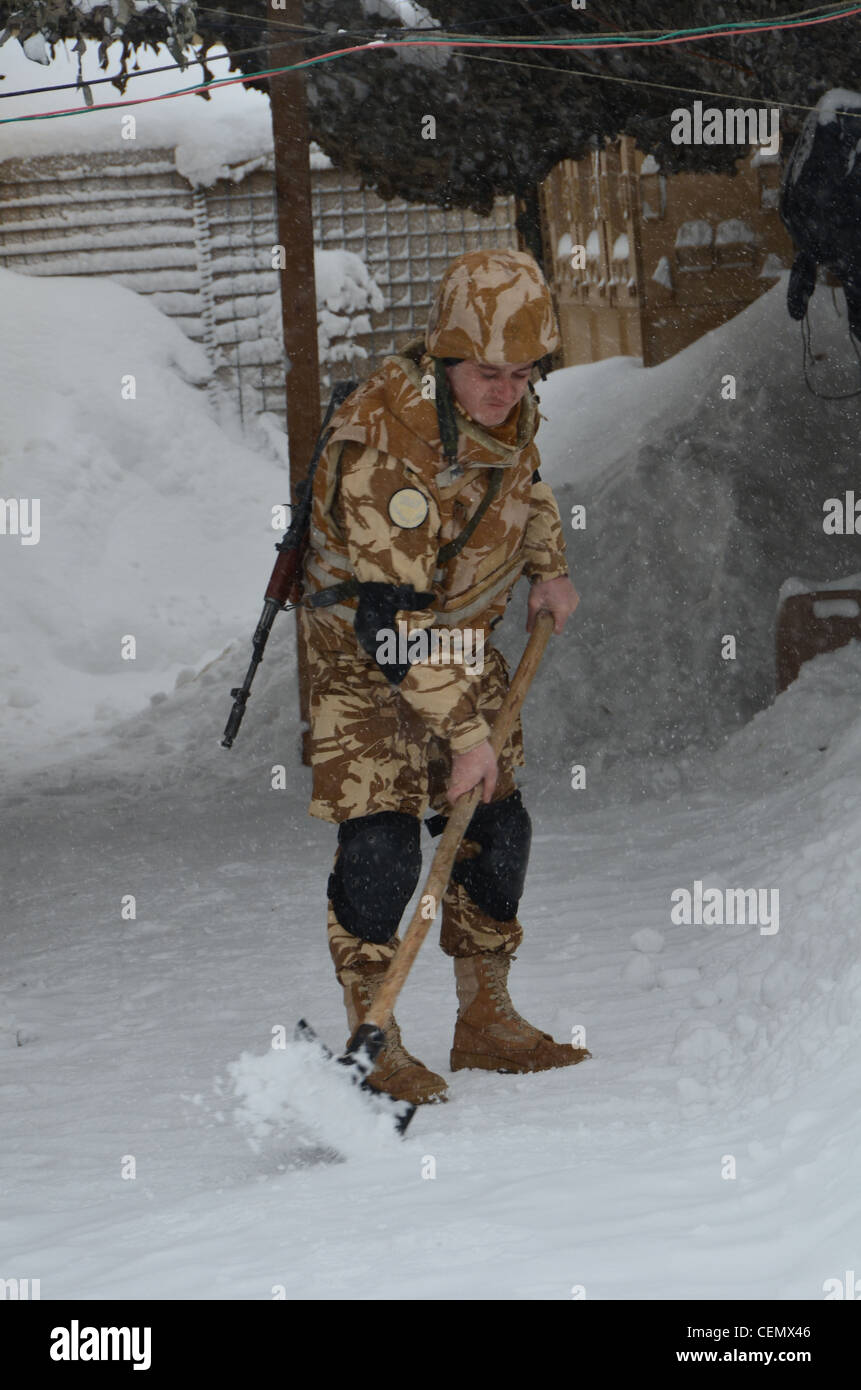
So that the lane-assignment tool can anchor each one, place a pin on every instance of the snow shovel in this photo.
(368, 1041)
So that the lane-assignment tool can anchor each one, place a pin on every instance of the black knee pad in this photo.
(376, 873)
(494, 878)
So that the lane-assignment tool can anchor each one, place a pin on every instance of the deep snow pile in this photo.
(154, 523)
(698, 508)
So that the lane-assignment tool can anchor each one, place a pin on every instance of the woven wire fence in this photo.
(405, 247)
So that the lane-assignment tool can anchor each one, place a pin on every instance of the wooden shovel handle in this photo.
(461, 815)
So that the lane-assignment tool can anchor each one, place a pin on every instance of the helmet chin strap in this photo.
(445, 415)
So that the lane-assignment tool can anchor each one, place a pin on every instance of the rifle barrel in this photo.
(285, 583)
(241, 693)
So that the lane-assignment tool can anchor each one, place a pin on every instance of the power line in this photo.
(311, 32)
(623, 41)
(458, 43)
(144, 72)
(793, 19)
(665, 86)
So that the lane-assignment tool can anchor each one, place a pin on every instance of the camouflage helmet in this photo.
(493, 306)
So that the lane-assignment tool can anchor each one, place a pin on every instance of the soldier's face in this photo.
(489, 393)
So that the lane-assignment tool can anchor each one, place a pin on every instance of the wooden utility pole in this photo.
(298, 289)
(528, 222)
(532, 236)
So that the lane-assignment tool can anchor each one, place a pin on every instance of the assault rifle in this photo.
(285, 583)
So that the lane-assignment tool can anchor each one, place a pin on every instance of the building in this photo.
(666, 258)
(203, 252)
(663, 259)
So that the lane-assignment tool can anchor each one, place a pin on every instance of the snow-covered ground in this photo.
(717, 1050)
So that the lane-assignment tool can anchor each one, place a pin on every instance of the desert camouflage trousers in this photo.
(371, 753)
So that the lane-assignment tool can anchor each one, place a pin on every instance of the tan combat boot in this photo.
(397, 1071)
(489, 1033)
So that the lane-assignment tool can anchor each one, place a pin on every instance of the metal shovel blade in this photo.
(362, 1052)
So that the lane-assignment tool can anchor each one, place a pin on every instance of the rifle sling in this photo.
(454, 547)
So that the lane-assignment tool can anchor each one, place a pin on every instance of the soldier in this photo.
(427, 508)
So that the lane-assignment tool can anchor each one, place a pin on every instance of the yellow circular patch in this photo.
(408, 507)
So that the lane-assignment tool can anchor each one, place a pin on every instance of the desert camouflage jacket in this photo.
(384, 506)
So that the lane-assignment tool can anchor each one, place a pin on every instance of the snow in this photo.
(621, 248)
(36, 49)
(608, 1175)
(151, 1036)
(344, 283)
(296, 1082)
(794, 585)
(663, 274)
(411, 16)
(733, 231)
(210, 138)
(836, 99)
(345, 291)
(698, 508)
(836, 608)
(127, 487)
(697, 232)
(772, 267)
(650, 165)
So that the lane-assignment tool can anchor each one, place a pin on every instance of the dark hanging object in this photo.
(820, 204)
